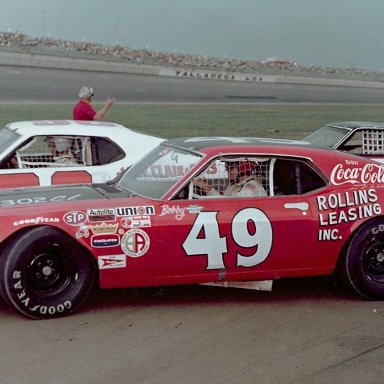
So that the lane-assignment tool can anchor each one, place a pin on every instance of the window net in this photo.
(373, 142)
(222, 173)
(50, 151)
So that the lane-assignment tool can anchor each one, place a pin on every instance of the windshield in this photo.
(326, 136)
(7, 137)
(159, 171)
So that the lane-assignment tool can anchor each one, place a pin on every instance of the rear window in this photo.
(326, 136)
(106, 152)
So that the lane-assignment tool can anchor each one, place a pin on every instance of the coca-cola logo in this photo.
(368, 174)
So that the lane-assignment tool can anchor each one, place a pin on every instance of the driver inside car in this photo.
(60, 148)
(242, 181)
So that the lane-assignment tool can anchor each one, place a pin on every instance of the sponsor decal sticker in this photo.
(170, 172)
(82, 232)
(136, 221)
(37, 220)
(368, 174)
(135, 242)
(175, 210)
(112, 261)
(101, 214)
(194, 208)
(103, 228)
(75, 218)
(343, 207)
(101, 241)
(135, 211)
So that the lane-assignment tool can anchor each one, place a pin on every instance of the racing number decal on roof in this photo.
(251, 229)
(47, 123)
(71, 177)
(16, 180)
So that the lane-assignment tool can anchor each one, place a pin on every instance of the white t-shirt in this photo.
(246, 188)
(65, 161)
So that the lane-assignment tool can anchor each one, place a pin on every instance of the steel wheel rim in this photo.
(50, 273)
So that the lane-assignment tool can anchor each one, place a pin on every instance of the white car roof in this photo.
(70, 127)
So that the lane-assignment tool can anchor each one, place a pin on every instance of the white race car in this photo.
(355, 137)
(49, 152)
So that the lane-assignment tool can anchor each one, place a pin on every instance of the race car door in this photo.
(261, 237)
(52, 160)
(189, 240)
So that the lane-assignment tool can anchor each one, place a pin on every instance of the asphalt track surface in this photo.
(50, 85)
(304, 331)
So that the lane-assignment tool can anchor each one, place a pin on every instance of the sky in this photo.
(339, 33)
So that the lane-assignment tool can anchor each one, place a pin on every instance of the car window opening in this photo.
(265, 177)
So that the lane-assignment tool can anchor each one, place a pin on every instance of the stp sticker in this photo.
(75, 218)
(135, 242)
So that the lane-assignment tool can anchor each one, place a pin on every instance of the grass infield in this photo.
(292, 121)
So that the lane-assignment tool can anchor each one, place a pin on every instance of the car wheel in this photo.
(44, 273)
(362, 267)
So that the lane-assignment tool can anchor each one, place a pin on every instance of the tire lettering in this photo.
(21, 294)
(42, 309)
(25, 302)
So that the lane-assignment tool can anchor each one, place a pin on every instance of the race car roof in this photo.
(324, 157)
(356, 124)
(69, 127)
(200, 143)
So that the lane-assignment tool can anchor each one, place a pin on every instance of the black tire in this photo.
(362, 266)
(44, 273)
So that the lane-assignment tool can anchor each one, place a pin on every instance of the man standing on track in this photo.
(83, 109)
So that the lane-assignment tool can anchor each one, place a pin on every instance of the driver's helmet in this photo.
(247, 167)
(61, 143)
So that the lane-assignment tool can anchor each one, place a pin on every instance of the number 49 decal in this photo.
(204, 238)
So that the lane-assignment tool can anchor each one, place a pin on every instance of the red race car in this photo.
(225, 211)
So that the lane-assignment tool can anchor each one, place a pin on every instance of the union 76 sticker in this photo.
(135, 242)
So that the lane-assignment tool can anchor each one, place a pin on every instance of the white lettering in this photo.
(379, 228)
(176, 210)
(328, 234)
(369, 173)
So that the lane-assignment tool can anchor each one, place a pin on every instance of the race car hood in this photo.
(27, 196)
